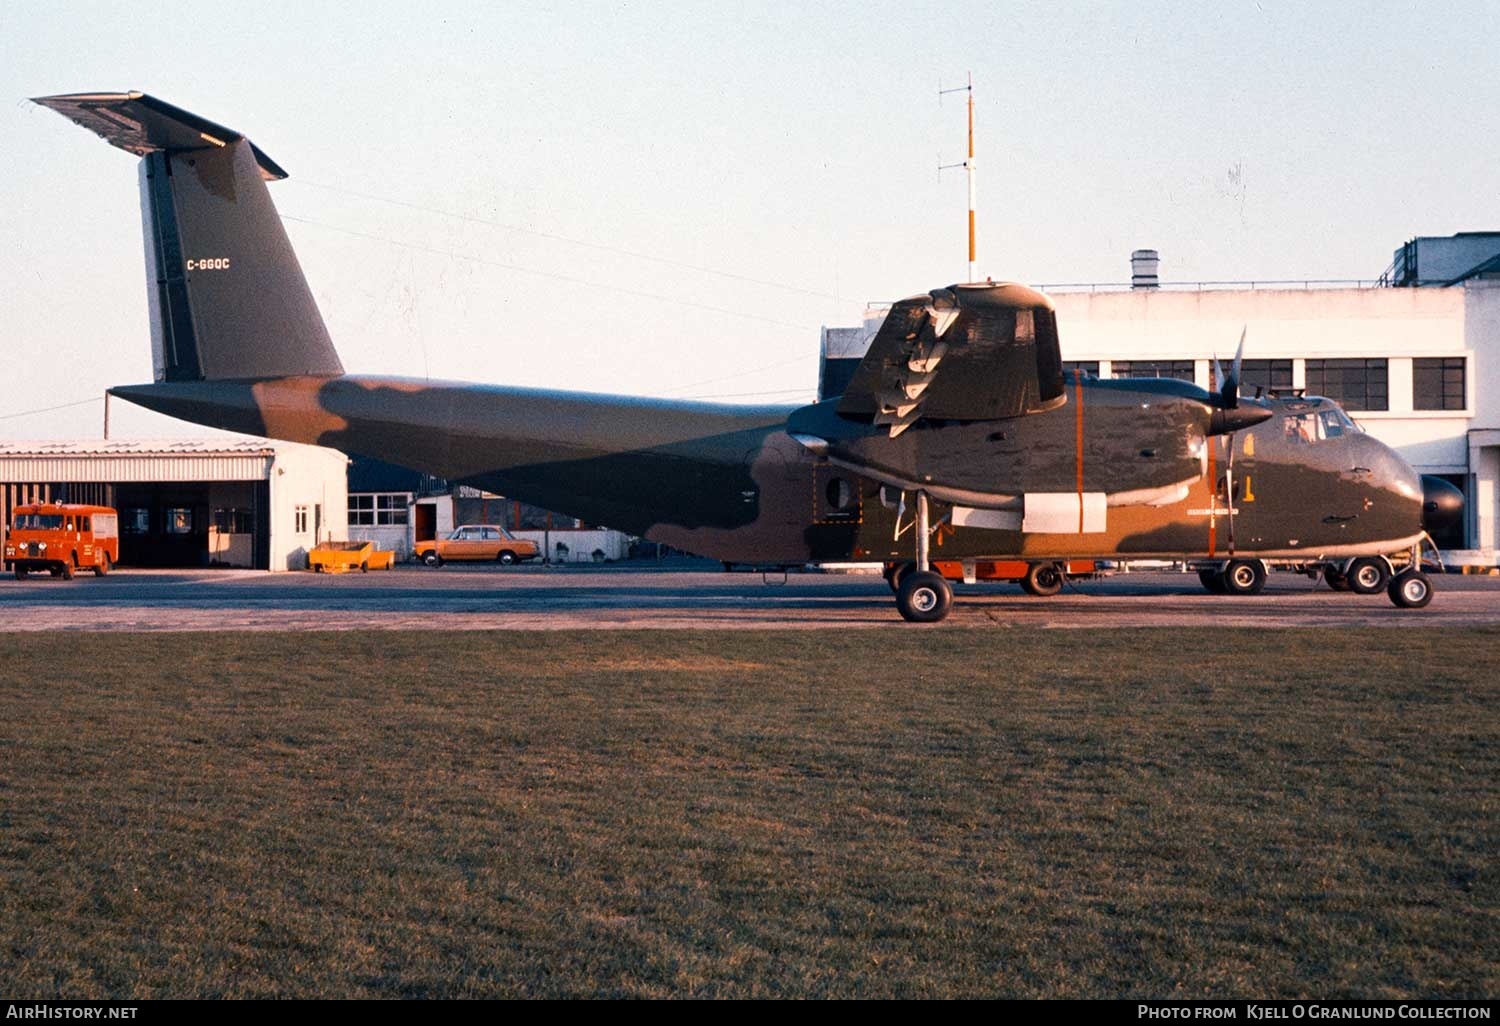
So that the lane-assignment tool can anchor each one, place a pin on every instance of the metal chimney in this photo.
(1143, 264)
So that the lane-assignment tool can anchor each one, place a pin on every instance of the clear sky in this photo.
(672, 198)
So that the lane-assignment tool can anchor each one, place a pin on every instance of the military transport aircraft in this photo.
(959, 430)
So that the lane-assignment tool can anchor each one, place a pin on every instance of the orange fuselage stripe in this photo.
(1213, 488)
(1078, 441)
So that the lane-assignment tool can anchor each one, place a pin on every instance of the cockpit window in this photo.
(1302, 428)
(1317, 426)
(1344, 422)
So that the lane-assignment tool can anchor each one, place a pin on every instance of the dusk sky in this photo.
(671, 199)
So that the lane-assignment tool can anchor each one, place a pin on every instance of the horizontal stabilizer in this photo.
(142, 124)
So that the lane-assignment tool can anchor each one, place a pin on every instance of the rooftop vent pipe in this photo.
(1143, 264)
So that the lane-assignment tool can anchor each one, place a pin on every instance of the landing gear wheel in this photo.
(924, 597)
(103, 566)
(1042, 579)
(1244, 577)
(1213, 580)
(432, 559)
(1410, 589)
(897, 573)
(1367, 576)
(1336, 580)
(506, 558)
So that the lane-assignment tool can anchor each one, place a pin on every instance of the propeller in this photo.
(1229, 388)
(1229, 416)
(1229, 402)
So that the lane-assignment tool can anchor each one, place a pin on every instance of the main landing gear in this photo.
(922, 596)
(1235, 577)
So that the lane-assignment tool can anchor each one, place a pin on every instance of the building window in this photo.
(1259, 376)
(1353, 384)
(1437, 383)
(377, 509)
(178, 521)
(300, 517)
(1182, 370)
(135, 521)
(234, 521)
(1090, 368)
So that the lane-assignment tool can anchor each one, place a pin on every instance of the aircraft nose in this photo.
(1442, 504)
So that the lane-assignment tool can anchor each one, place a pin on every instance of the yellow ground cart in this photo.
(336, 557)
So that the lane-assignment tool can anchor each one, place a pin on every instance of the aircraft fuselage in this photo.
(733, 483)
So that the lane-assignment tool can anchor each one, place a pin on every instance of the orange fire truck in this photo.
(61, 539)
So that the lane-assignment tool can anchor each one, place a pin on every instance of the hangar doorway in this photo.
(193, 524)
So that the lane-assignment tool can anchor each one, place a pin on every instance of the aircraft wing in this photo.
(968, 352)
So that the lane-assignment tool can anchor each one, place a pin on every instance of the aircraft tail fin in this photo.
(227, 296)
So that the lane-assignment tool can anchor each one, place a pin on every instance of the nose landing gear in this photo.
(1410, 589)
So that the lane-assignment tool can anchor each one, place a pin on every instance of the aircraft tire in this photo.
(1244, 577)
(896, 574)
(924, 597)
(1042, 580)
(1368, 575)
(1213, 581)
(1410, 589)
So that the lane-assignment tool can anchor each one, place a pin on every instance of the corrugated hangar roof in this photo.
(188, 459)
(140, 447)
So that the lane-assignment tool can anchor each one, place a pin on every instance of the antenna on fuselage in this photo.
(967, 165)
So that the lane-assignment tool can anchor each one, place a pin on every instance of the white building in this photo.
(1417, 367)
(195, 502)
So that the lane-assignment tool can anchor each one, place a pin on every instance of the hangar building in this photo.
(191, 503)
(1414, 356)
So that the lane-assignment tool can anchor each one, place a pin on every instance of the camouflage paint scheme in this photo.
(962, 397)
(729, 482)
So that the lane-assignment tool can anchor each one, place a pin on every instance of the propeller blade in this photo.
(1229, 388)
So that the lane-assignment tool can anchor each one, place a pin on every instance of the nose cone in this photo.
(1442, 505)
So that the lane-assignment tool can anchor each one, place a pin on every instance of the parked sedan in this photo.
(488, 542)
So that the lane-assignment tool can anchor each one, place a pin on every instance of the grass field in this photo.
(895, 813)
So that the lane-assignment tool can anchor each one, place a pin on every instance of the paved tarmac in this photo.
(695, 595)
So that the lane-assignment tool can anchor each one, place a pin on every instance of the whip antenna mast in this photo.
(967, 165)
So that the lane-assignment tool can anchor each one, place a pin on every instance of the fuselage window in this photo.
(840, 495)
